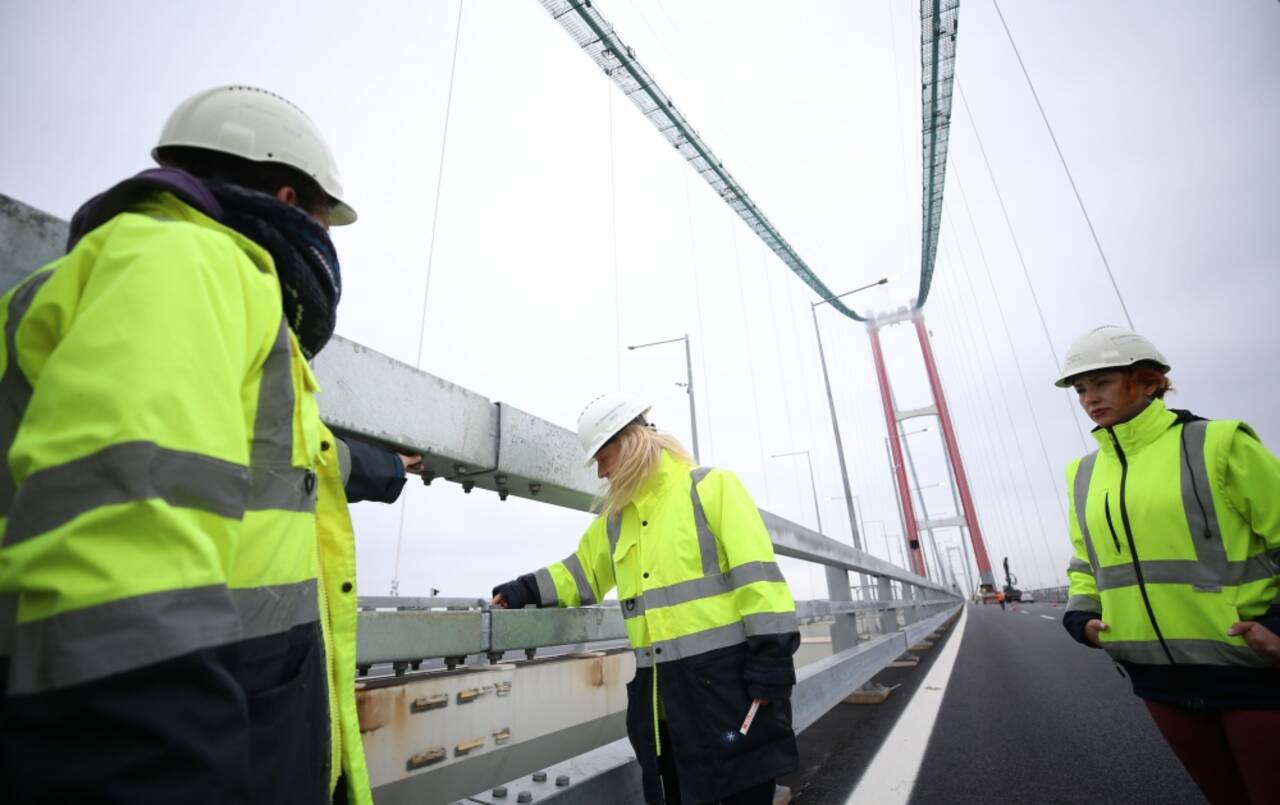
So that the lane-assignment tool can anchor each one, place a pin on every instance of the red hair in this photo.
(1146, 374)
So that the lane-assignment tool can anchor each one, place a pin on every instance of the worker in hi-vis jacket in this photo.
(706, 609)
(1175, 522)
(177, 570)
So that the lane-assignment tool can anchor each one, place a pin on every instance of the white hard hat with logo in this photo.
(604, 417)
(259, 126)
(1108, 347)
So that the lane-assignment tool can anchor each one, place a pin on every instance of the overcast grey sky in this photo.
(1167, 113)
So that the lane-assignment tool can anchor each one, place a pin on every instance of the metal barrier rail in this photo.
(1056, 595)
(438, 628)
(610, 773)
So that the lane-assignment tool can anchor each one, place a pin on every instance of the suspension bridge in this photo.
(462, 703)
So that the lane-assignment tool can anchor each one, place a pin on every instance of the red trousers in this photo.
(1233, 755)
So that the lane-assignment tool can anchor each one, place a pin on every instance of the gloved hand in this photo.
(516, 594)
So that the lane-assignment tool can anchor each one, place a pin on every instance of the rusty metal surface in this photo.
(496, 723)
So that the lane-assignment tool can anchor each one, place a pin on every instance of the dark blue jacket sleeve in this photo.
(1075, 621)
(377, 473)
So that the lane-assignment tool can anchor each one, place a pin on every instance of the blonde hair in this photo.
(639, 453)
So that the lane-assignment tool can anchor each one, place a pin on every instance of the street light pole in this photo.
(688, 385)
(924, 507)
(817, 510)
(968, 579)
(831, 404)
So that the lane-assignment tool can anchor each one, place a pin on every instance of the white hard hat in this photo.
(259, 126)
(604, 417)
(1108, 347)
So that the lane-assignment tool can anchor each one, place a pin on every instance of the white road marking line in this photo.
(1048, 617)
(893, 771)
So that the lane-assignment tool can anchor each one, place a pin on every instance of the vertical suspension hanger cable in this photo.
(1071, 179)
(1035, 298)
(795, 307)
(902, 140)
(964, 357)
(751, 361)
(777, 343)
(1004, 324)
(435, 210)
(1003, 432)
(697, 304)
(431, 251)
(613, 221)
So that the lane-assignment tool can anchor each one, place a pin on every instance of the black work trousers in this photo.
(761, 794)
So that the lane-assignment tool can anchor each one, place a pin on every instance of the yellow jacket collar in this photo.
(667, 471)
(1138, 432)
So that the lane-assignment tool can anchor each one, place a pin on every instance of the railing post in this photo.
(888, 617)
(844, 626)
(909, 612)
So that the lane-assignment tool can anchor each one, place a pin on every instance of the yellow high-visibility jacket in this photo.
(710, 618)
(1175, 523)
(175, 534)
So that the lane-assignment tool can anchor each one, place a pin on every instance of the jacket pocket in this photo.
(724, 702)
(289, 739)
(626, 570)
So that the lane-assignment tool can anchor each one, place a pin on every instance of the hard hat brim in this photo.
(342, 214)
(1067, 381)
(602, 441)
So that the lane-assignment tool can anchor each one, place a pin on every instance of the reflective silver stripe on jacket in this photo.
(1084, 475)
(126, 473)
(1190, 652)
(1210, 571)
(276, 483)
(1184, 571)
(586, 595)
(1079, 566)
(706, 539)
(1083, 603)
(119, 636)
(546, 588)
(275, 608)
(683, 592)
(613, 527)
(15, 390)
(691, 645)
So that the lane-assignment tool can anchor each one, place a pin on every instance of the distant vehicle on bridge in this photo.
(1012, 594)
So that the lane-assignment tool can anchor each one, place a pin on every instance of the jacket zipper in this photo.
(1106, 505)
(1133, 548)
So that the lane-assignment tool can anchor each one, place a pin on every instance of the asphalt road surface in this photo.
(1029, 717)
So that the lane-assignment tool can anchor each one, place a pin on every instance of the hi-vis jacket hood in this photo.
(1175, 523)
(169, 495)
